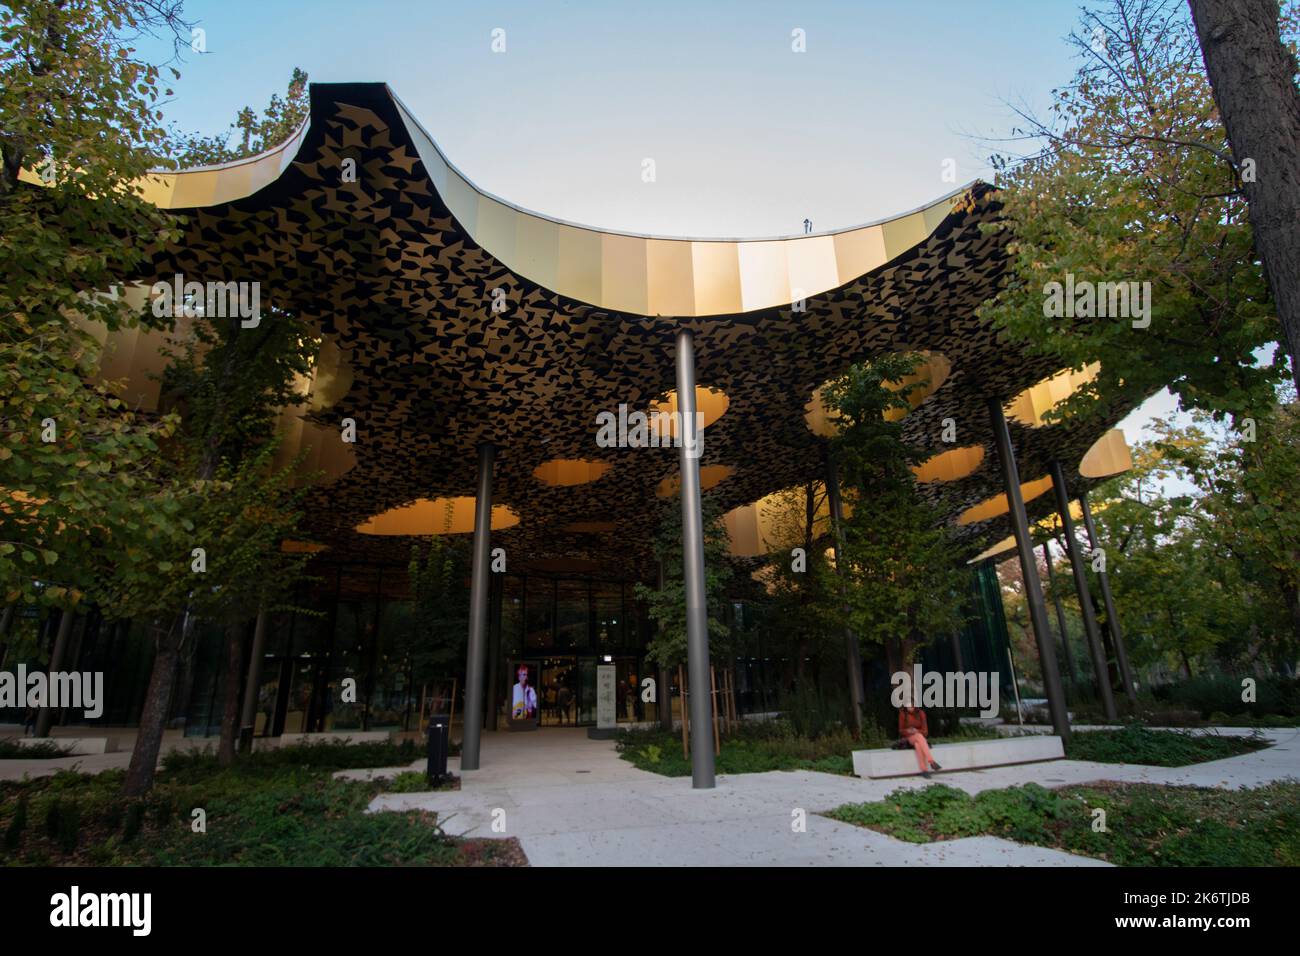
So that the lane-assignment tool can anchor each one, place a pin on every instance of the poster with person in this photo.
(523, 698)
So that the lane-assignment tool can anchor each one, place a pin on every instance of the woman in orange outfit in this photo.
(913, 729)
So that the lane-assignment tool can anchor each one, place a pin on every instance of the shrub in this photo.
(10, 749)
(14, 832)
(1157, 748)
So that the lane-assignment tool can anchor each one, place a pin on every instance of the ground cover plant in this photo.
(1157, 748)
(273, 808)
(1145, 824)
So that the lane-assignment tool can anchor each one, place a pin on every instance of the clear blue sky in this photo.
(747, 136)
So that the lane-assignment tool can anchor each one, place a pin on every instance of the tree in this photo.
(1253, 71)
(667, 606)
(252, 133)
(1136, 184)
(78, 128)
(440, 605)
(903, 585)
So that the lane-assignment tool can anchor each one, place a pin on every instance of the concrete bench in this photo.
(337, 737)
(75, 746)
(965, 755)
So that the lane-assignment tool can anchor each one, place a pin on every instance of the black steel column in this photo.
(1071, 673)
(1112, 618)
(478, 611)
(852, 651)
(697, 609)
(45, 717)
(1029, 570)
(248, 717)
(1084, 593)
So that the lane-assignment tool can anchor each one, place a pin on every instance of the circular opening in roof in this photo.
(710, 404)
(997, 505)
(435, 516)
(1029, 407)
(950, 465)
(710, 476)
(566, 472)
(929, 375)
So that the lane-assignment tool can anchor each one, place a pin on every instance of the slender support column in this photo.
(697, 611)
(1029, 570)
(5, 621)
(248, 718)
(1112, 618)
(663, 677)
(1070, 672)
(45, 718)
(853, 652)
(1084, 592)
(478, 611)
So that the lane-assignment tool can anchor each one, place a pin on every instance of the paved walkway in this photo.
(573, 801)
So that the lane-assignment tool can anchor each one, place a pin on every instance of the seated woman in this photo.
(912, 728)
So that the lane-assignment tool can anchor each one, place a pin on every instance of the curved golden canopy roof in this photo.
(398, 270)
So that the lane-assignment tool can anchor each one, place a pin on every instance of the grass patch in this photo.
(1146, 824)
(1157, 748)
(10, 749)
(769, 745)
(766, 745)
(273, 808)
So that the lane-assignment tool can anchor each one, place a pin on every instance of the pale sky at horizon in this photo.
(748, 137)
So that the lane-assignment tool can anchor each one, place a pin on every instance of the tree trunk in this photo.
(153, 718)
(230, 704)
(1251, 74)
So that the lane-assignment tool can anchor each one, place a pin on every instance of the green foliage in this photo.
(1135, 744)
(80, 127)
(1147, 825)
(904, 585)
(408, 781)
(1220, 694)
(253, 133)
(1136, 184)
(754, 748)
(270, 812)
(1202, 577)
(317, 756)
(667, 607)
(17, 824)
(45, 750)
(440, 607)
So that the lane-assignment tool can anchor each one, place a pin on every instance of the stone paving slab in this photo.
(618, 815)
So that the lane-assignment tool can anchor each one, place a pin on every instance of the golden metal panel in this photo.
(579, 268)
(1109, 455)
(764, 275)
(670, 283)
(623, 273)
(859, 251)
(198, 188)
(462, 203)
(904, 233)
(811, 266)
(537, 249)
(716, 272)
(497, 229)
